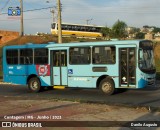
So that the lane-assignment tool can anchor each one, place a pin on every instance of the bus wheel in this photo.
(107, 86)
(34, 85)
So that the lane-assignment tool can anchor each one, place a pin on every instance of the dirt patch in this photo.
(51, 110)
(6, 36)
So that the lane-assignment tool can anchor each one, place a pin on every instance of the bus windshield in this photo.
(146, 61)
(53, 25)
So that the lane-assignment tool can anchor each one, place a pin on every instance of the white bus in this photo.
(77, 30)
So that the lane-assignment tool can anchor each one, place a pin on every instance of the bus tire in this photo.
(107, 86)
(34, 85)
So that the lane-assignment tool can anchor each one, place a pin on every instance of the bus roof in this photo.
(95, 43)
(28, 45)
(87, 25)
(52, 44)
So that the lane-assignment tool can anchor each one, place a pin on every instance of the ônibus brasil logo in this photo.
(14, 11)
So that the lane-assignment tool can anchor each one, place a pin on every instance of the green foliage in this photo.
(157, 61)
(106, 31)
(119, 30)
(140, 35)
(156, 30)
(1, 73)
(158, 76)
(134, 31)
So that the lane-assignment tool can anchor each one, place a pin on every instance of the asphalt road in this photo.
(148, 97)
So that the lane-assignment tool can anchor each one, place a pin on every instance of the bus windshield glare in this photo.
(146, 61)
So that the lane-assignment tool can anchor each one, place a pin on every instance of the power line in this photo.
(37, 9)
(5, 5)
(120, 10)
(37, 18)
(31, 10)
(25, 19)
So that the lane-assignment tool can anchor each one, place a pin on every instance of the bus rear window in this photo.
(41, 56)
(12, 57)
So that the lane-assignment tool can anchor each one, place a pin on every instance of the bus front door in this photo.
(127, 67)
(59, 68)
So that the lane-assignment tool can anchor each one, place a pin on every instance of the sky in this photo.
(135, 13)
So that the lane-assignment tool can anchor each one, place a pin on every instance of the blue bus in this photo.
(106, 65)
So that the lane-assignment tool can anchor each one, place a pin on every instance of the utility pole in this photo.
(22, 27)
(59, 22)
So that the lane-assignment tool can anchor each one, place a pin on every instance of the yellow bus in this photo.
(77, 30)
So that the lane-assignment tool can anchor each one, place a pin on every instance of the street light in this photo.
(88, 20)
(53, 11)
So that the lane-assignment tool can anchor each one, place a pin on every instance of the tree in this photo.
(146, 26)
(156, 30)
(134, 30)
(140, 35)
(119, 30)
(106, 32)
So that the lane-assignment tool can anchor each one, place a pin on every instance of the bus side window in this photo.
(41, 56)
(97, 59)
(28, 60)
(12, 56)
(79, 55)
(22, 60)
(26, 56)
(104, 55)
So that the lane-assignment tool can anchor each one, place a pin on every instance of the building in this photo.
(149, 36)
(157, 36)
